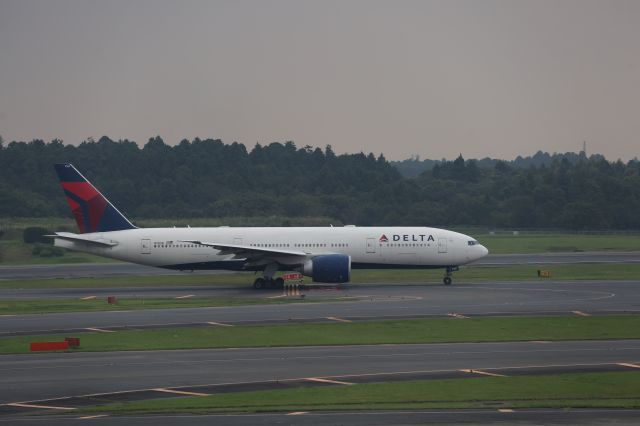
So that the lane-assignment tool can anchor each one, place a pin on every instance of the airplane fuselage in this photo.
(368, 247)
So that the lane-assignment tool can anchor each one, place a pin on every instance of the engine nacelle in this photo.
(329, 268)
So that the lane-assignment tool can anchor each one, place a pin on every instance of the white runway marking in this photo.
(220, 324)
(624, 364)
(179, 392)
(580, 313)
(88, 297)
(44, 407)
(321, 380)
(99, 330)
(186, 296)
(97, 416)
(338, 319)
(483, 373)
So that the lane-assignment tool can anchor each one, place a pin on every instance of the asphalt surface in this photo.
(418, 417)
(33, 377)
(130, 269)
(377, 301)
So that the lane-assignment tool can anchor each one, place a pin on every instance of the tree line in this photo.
(208, 178)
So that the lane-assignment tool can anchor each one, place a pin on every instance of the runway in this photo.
(36, 377)
(129, 269)
(377, 301)
(586, 417)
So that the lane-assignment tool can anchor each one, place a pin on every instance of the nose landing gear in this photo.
(447, 276)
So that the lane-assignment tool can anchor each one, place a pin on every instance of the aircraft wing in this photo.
(251, 253)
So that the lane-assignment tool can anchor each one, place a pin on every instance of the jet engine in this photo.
(328, 268)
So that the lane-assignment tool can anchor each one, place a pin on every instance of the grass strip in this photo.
(445, 330)
(594, 271)
(582, 390)
(39, 306)
(550, 243)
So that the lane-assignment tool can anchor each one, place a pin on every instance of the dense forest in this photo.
(207, 178)
(413, 167)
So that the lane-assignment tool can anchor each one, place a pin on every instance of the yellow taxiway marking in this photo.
(100, 330)
(338, 319)
(278, 296)
(180, 392)
(88, 297)
(484, 373)
(297, 413)
(625, 364)
(321, 380)
(580, 313)
(220, 324)
(44, 407)
(457, 315)
(97, 416)
(186, 296)
(505, 410)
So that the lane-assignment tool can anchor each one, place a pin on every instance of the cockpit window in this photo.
(472, 242)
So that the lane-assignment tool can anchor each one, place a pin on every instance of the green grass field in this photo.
(429, 277)
(619, 390)
(550, 243)
(486, 329)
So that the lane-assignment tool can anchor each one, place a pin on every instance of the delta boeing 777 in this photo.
(326, 254)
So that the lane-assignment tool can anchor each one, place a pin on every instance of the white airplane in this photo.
(326, 254)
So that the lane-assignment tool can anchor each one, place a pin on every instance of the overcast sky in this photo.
(434, 78)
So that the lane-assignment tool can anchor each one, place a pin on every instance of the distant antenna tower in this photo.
(584, 147)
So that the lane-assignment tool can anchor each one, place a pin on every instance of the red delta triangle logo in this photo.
(384, 239)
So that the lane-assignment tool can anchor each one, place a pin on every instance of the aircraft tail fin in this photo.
(92, 210)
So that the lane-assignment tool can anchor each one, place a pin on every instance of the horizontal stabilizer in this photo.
(77, 238)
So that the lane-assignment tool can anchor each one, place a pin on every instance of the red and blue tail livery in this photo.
(93, 212)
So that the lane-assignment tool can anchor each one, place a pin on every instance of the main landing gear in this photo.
(265, 282)
(447, 276)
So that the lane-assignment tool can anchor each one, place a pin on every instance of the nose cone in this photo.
(483, 251)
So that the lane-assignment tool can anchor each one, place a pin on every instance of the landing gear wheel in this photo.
(259, 283)
(278, 283)
(446, 280)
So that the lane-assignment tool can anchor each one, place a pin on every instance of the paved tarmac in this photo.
(33, 377)
(418, 417)
(43, 376)
(371, 301)
(130, 269)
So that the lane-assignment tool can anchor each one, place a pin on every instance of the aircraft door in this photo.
(371, 245)
(237, 241)
(442, 245)
(145, 246)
